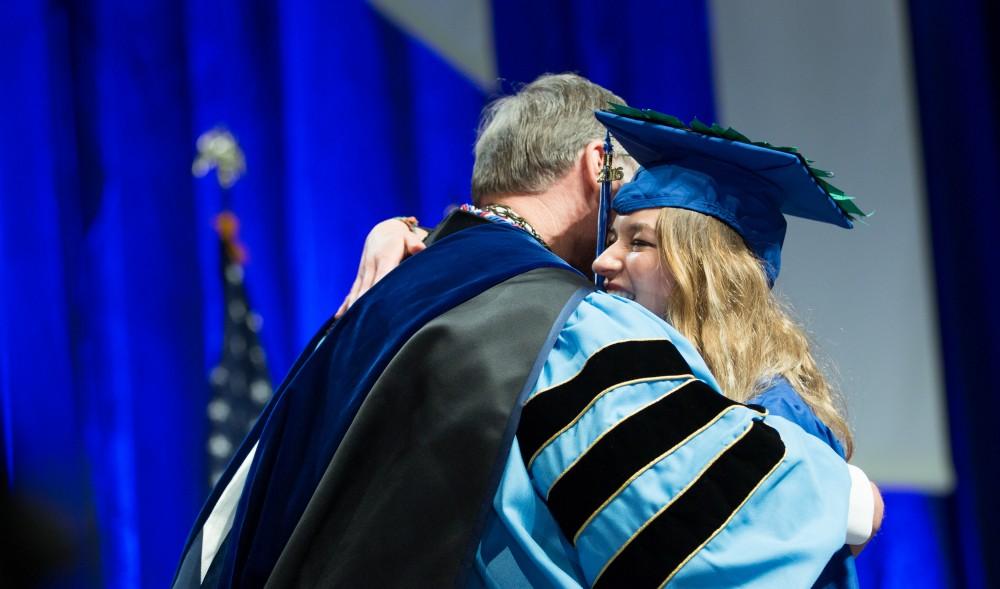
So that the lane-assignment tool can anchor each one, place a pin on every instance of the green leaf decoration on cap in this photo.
(845, 202)
(646, 114)
(734, 135)
(701, 127)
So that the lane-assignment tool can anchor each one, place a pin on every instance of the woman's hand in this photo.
(388, 243)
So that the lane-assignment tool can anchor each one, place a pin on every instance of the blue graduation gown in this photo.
(779, 531)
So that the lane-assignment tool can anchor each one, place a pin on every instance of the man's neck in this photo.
(563, 219)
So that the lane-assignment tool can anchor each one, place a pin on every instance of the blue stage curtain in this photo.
(912, 549)
(102, 343)
(111, 307)
(957, 64)
(653, 54)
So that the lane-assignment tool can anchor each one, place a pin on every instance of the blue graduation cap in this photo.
(719, 172)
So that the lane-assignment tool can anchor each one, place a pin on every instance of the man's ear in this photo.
(593, 160)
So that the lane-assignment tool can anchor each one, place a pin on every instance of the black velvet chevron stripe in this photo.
(547, 413)
(627, 448)
(655, 554)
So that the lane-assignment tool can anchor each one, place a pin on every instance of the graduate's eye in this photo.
(638, 244)
(612, 238)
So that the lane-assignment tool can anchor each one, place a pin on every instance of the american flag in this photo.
(240, 383)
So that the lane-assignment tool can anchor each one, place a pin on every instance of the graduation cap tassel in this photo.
(607, 175)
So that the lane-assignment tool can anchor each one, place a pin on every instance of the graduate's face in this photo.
(631, 264)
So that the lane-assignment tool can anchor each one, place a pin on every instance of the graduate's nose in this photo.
(607, 264)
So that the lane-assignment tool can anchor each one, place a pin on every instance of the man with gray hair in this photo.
(526, 144)
(483, 417)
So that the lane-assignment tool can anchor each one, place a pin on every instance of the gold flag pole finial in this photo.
(218, 150)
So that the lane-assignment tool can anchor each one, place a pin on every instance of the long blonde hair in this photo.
(722, 303)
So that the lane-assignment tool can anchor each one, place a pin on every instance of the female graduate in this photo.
(697, 240)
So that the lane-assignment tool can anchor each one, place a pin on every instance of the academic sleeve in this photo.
(652, 477)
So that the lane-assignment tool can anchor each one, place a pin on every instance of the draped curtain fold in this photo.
(956, 55)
